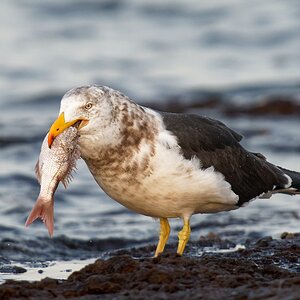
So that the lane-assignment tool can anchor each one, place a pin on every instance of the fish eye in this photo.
(88, 105)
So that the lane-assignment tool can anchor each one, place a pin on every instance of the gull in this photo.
(166, 165)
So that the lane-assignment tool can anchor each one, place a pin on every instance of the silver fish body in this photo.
(54, 165)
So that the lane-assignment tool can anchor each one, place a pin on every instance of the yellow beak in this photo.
(61, 125)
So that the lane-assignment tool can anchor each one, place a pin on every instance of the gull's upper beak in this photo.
(61, 125)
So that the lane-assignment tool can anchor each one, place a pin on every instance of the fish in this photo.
(54, 165)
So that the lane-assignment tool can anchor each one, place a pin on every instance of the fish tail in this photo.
(44, 210)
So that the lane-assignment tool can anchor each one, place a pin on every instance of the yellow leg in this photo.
(183, 236)
(163, 236)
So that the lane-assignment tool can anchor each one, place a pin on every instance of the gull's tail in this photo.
(289, 185)
(294, 188)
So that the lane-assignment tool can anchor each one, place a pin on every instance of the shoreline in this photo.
(263, 269)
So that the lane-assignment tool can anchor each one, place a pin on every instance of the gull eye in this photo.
(88, 105)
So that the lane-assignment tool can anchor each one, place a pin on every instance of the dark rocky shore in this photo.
(266, 269)
(272, 105)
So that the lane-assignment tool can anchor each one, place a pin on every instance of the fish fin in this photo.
(44, 210)
(72, 169)
(67, 180)
(65, 183)
(37, 171)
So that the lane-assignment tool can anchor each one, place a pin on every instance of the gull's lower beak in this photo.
(61, 125)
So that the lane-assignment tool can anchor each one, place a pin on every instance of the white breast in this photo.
(174, 186)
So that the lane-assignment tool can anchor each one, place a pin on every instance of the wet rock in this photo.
(283, 105)
(215, 241)
(183, 103)
(267, 268)
(289, 235)
(264, 242)
(12, 269)
(272, 105)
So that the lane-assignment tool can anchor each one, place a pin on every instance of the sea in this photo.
(154, 51)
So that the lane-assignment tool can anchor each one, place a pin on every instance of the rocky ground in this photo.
(265, 269)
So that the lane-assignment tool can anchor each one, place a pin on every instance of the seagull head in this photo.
(89, 108)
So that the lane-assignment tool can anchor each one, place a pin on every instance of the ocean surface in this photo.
(154, 51)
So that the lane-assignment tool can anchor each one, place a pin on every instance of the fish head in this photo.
(90, 109)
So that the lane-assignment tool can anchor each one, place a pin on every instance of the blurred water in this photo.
(151, 50)
(146, 48)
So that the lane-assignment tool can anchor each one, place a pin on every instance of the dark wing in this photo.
(249, 174)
